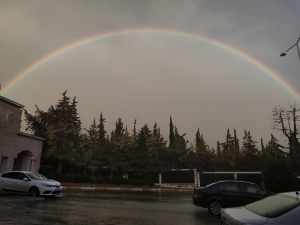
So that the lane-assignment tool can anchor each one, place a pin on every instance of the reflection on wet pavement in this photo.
(104, 208)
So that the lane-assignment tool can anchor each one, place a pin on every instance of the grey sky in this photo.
(152, 76)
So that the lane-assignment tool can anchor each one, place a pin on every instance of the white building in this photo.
(18, 150)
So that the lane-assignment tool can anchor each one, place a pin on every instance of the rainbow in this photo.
(126, 32)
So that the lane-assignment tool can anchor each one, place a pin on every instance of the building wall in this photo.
(11, 143)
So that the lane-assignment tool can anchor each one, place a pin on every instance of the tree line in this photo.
(68, 148)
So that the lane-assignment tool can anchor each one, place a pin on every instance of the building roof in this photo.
(10, 102)
(31, 136)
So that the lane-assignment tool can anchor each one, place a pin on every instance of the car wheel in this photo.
(34, 192)
(214, 208)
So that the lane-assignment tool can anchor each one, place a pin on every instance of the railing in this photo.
(197, 175)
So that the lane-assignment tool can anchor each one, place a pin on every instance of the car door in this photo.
(251, 193)
(6, 181)
(19, 184)
(230, 194)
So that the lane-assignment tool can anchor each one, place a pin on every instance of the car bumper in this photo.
(51, 191)
(199, 202)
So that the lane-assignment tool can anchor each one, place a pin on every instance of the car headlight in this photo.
(45, 185)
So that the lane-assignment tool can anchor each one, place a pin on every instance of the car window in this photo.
(9, 175)
(215, 187)
(20, 176)
(37, 176)
(221, 187)
(252, 189)
(211, 185)
(231, 187)
(273, 206)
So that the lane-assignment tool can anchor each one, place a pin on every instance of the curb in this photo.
(77, 188)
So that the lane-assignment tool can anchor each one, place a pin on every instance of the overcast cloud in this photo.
(150, 77)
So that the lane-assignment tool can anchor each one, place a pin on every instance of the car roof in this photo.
(234, 181)
(17, 171)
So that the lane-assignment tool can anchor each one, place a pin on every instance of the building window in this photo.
(3, 164)
(11, 118)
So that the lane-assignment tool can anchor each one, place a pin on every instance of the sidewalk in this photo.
(112, 187)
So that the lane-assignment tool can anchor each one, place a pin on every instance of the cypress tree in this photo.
(171, 134)
(101, 132)
(134, 130)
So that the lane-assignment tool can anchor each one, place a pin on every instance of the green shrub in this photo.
(93, 179)
(117, 180)
(279, 176)
(85, 178)
(133, 182)
(124, 181)
(100, 180)
(151, 183)
(110, 180)
(77, 178)
(52, 176)
(140, 182)
(59, 177)
(68, 177)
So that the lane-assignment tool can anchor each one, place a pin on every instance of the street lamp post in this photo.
(285, 52)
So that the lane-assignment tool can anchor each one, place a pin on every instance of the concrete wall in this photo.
(12, 143)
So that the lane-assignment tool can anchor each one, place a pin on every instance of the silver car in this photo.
(278, 209)
(31, 183)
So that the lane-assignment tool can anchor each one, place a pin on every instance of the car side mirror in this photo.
(25, 179)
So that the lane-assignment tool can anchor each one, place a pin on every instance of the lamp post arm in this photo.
(294, 45)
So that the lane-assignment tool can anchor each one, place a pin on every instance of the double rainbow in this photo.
(272, 74)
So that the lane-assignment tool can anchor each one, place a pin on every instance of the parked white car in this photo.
(31, 183)
(279, 209)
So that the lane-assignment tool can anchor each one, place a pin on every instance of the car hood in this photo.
(240, 215)
(51, 182)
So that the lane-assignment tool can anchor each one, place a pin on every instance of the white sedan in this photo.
(279, 209)
(31, 183)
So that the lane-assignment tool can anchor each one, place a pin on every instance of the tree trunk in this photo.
(59, 167)
(295, 154)
(111, 173)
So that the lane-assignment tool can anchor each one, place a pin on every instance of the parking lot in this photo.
(105, 208)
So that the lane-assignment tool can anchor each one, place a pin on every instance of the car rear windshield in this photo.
(37, 176)
(273, 206)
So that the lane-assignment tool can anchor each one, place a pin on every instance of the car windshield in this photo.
(36, 176)
(273, 206)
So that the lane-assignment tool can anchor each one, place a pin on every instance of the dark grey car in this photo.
(224, 194)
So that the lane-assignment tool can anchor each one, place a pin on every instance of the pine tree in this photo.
(236, 144)
(87, 153)
(101, 132)
(141, 156)
(64, 131)
(273, 149)
(179, 150)
(262, 145)
(171, 134)
(92, 139)
(134, 133)
(251, 153)
(203, 157)
(102, 142)
(157, 151)
(229, 151)
(249, 145)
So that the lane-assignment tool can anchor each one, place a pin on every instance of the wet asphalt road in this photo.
(105, 208)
